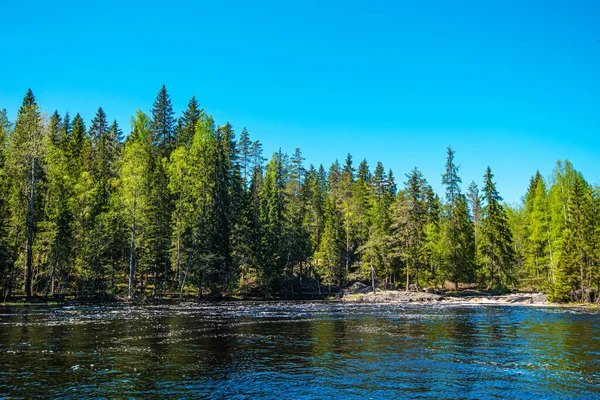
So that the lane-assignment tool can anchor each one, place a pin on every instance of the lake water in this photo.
(299, 350)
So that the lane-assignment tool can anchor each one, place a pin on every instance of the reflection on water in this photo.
(291, 350)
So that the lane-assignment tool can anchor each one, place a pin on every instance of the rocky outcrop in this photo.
(400, 296)
(394, 296)
(357, 288)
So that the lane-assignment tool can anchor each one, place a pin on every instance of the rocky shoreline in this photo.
(400, 296)
(360, 293)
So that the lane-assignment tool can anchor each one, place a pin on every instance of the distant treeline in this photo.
(183, 206)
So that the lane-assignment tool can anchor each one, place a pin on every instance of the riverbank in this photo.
(401, 296)
(467, 297)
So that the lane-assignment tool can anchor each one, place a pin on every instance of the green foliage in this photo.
(496, 243)
(181, 206)
(457, 230)
(26, 178)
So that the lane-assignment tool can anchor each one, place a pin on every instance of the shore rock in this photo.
(357, 288)
(395, 296)
(400, 296)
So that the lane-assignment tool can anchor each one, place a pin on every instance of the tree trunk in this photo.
(52, 281)
(30, 211)
(155, 277)
(131, 293)
(178, 258)
(373, 277)
(112, 283)
(347, 238)
(201, 288)
(187, 269)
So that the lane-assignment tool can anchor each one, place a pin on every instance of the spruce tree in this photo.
(5, 253)
(332, 247)
(244, 157)
(103, 169)
(346, 203)
(186, 125)
(163, 123)
(574, 272)
(496, 240)
(416, 213)
(475, 206)
(457, 229)
(273, 203)
(25, 169)
(54, 128)
(57, 229)
(361, 207)
(160, 204)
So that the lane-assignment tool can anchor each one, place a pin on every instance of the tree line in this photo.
(183, 206)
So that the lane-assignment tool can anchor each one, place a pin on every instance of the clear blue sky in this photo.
(512, 84)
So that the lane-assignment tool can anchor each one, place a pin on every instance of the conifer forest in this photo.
(180, 206)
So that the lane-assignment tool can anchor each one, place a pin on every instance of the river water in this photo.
(299, 350)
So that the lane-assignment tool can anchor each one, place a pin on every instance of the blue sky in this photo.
(512, 84)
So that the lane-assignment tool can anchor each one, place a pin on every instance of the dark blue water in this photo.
(299, 350)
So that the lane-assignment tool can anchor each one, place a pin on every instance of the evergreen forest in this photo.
(180, 206)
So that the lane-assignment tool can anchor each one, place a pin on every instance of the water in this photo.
(294, 350)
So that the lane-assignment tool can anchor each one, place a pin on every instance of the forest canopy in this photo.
(185, 206)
